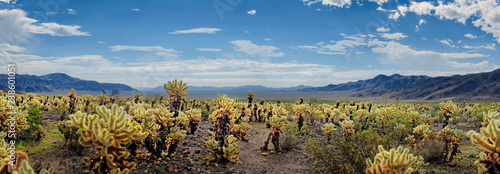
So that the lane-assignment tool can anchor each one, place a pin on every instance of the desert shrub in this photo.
(345, 155)
(35, 132)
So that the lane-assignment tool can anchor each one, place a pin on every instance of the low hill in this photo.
(61, 82)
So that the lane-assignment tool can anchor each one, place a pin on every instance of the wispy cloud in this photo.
(209, 49)
(158, 50)
(254, 50)
(136, 9)
(197, 30)
(448, 42)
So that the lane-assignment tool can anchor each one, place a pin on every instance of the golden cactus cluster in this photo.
(395, 161)
(107, 132)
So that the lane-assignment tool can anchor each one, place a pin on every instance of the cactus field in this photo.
(71, 133)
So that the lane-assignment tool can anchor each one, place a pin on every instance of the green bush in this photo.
(35, 132)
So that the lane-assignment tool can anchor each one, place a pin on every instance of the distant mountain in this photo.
(236, 88)
(61, 81)
(379, 83)
(471, 87)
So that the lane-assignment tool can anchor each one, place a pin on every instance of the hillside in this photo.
(471, 87)
(61, 81)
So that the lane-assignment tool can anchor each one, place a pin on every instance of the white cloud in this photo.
(341, 47)
(379, 2)
(488, 47)
(403, 55)
(337, 3)
(17, 28)
(11, 48)
(267, 39)
(55, 29)
(160, 51)
(208, 49)
(251, 49)
(393, 36)
(422, 21)
(482, 13)
(383, 29)
(101, 42)
(468, 65)
(447, 42)
(252, 12)
(136, 9)
(470, 36)
(71, 11)
(196, 30)
(8, 1)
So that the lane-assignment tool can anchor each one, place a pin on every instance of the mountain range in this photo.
(60, 82)
(471, 87)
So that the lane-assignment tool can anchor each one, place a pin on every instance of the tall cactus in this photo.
(176, 91)
(107, 132)
(489, 141)
(277, 122)
(223, 147)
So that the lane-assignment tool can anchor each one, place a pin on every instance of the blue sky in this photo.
(276, 43)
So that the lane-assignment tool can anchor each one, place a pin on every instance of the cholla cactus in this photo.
(448, 109)
(451, 139)
(347, 128)
(8, 113)
(194, 116)
(395, 161)
(241, 129)
(223, 147)
(300, 112)
(107, 132)
(489, 141)
(25, 168)
(329, 131)
(316, 115)
(176, 91)
(424, 131)
(277, 122)
(487, 116)
(72, 101)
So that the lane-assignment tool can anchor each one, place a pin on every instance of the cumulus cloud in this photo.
(262, 51)
(197, 30)
(482, 13)
(393, 36)
(158, 50)
(470, 36)
(252, 12)
(383, 29)
(17, 28)
(136, 9)
(404, 55)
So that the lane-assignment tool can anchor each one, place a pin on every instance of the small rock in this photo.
(452, 164)
(197, 151)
